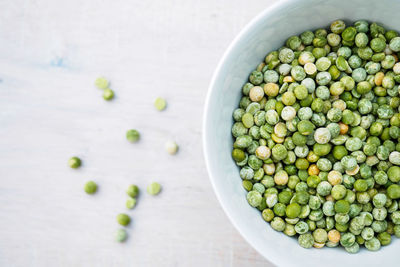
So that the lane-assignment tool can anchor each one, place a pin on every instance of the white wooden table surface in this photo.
(51, 51)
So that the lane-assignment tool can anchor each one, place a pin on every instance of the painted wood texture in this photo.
(51, 53)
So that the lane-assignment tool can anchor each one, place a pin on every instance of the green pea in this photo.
(378, 44)
(393, 191)
(305, 127)
(306, 240)
(74, 162)
(121, 235)
(376, 128)
(238, 154)
(394, 174)
(132, 135)
(123, 219)
(108, 94)
(247, 185)
(349, 34)
(293, 210)
(360, 185)
(101, 83)
(154, 188)
(339, 152)
(160, 103)
(384, 238)
(248, 120)
(313, 181)
(90, 187)
(322, 149)
(130, 203)
(132, 191)
(395, 44)
(268, 215)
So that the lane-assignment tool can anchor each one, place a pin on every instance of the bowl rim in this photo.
(258, 18)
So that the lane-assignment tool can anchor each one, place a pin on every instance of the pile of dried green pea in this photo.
(132, 136)
(316, 137)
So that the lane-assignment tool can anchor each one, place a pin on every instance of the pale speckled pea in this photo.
(310, 68)
(334, 115)
(309, 84)
(271, 76)
(323, 78)
(301, 151)
(306, 57)
(353, 248)
(278, 224)
(298, 73)
(324, 188)
(394, 158)
(395, 44)
(272, 117)
(305, 113)
(288, 113)
(301, 227)
(373, 244)
(121, 235)
(254, 198)
(322, 135)
(322, 92)
(306, 240)
(154, 188)
(323, 64)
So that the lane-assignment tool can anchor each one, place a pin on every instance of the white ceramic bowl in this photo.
(267, 32)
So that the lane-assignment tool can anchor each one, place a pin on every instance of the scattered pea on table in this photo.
(101, 83)
(74, 162)
(160, 103)
(90, 187)
(132, 135)
(121, 235)
(108, 94)
(171, 147)
(133, 191)
(130, 203)
(154, 188)
(123, 219)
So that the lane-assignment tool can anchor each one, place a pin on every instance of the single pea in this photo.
(132, 135)
(268, 215)
(384, 238)
(393, 191)
(361, 185)
(393, 174)
(121, 235)
(123, 219)
(293, 210)
(74, 162)
(305, 127)
(108, 94)
(339, 152)
(154, 188)
(101, 83)
(248, 120)
(306, 240)
(90, 187)
(160, 103)
(130, 203)
(238, 155)
(132, 191)
(171, 147)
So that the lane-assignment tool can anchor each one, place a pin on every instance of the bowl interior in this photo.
(265, 33)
